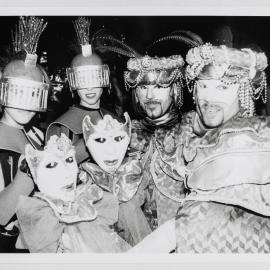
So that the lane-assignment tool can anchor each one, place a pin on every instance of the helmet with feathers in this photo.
(143, 69)
(25, 84)
(87, 68)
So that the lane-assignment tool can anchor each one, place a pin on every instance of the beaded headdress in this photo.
(22, 93)
(90, 75)
(106, 125)
(57, 146)
(147, 70)
(231, 66)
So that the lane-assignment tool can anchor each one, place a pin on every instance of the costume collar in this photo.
(12, 138)
(87, 108)
(81, 209)
(73, 118)
(123, 183)
(165, 121)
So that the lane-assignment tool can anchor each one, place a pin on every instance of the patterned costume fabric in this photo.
(163, 191)
(12, 146)
(228, 177)
(123, 184)
(86, 226)
(208, 227)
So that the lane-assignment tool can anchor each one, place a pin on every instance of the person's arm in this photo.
(22, 184)
(162, 240)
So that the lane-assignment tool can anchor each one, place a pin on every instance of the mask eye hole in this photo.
(100, 140)
(119, 138)
(69, 159)
(201, 85)
(222, 87)
(142, 87)
(51, 165)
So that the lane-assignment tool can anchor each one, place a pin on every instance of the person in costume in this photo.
(23, 92)
(88, 77)
(157, 84)
(113, 172)
(226, 148)
(64, 217)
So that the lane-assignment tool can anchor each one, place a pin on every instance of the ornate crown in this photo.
(59, 146)
(216, 62)
(162, 71)
(105, 125)
(231, 66)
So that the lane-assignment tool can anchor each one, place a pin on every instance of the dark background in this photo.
(58, 39)
(140, 31)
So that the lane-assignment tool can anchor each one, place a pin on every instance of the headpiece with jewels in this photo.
(161, 71)
(148, 70)
(56, 146)
(231, 66)
(23, 84)
(106, 125)
(87, 69)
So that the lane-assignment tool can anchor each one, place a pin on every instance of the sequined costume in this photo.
(12, 146)
(49, 226)
(227, 211)
(163, 192)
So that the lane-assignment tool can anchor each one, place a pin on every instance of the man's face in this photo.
(90, 97)
(216, 103)
(155, 100)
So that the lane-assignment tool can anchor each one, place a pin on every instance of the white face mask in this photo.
(107, 141)
(216, 102)
(54, 169)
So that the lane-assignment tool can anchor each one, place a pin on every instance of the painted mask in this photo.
(54, 169)
(107, 141)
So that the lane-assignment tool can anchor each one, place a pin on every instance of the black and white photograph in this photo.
(134, 134)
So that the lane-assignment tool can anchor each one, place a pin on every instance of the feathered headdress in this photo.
(26, 37)
(33, 94)
(86, 69)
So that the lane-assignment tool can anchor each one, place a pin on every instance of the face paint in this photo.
(216, 103)
(155, 100)
(107, 141)
(54, 169)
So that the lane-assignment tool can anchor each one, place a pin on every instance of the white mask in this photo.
(107, 141)
(55, 169)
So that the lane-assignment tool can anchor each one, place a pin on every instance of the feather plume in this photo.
(128, 50)
(27, 34)
(82, 28)
(115, 50)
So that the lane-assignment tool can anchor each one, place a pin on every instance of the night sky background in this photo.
(141, 31)
(58, 38)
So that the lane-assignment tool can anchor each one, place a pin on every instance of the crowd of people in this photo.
(166, 182)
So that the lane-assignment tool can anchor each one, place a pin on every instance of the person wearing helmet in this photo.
(88, 76)
(23, 93)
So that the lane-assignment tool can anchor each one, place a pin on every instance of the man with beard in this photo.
(226, 149)
(157, 83)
